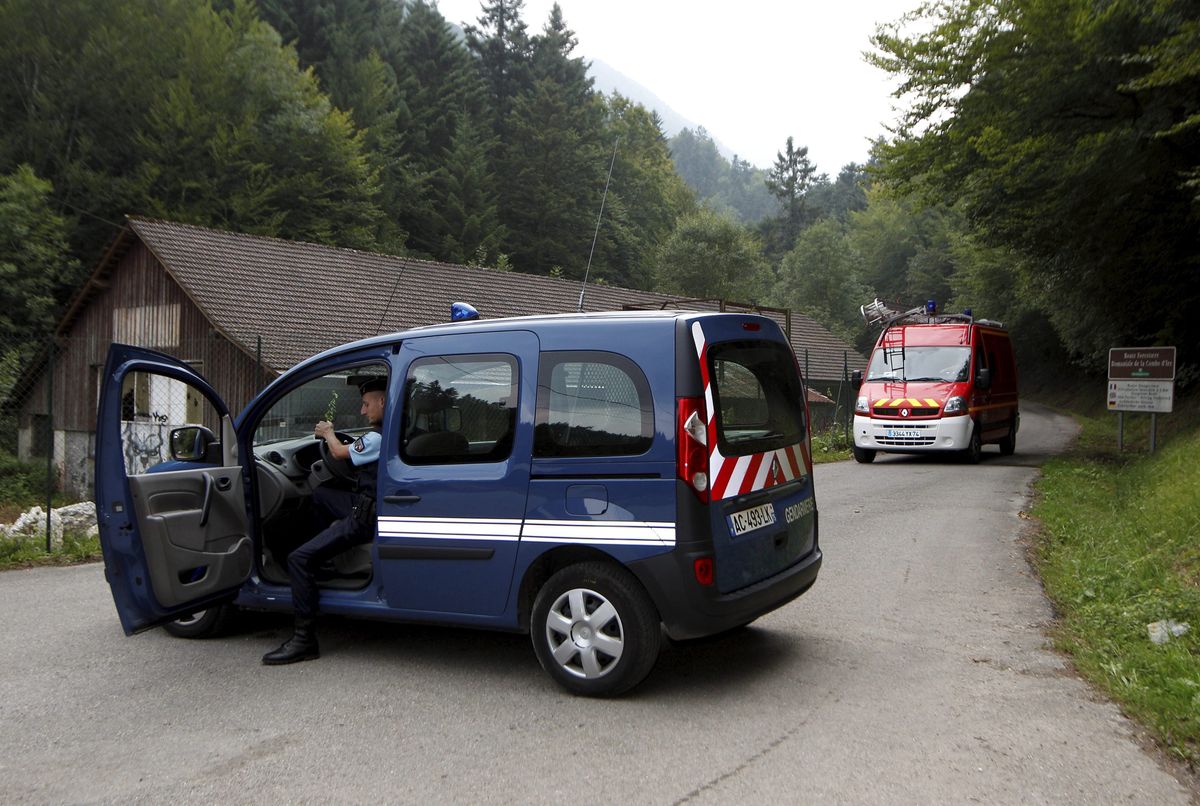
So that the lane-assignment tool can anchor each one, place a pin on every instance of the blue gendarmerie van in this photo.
(590, 479)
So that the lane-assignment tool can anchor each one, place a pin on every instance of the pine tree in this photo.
(503, 51)
(441, 89)
(553, 165)
(466, 223)
(789, 180)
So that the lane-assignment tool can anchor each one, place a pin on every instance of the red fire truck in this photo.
(936, 382)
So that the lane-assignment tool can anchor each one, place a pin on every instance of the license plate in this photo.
(900, 433)
(750, 519)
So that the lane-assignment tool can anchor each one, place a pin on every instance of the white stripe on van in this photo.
(607, 533)
(600, 531)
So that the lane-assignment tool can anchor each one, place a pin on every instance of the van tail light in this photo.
(705, 570)
(691, 440)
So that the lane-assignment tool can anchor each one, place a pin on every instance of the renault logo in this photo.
(776, 475)
(903, 412)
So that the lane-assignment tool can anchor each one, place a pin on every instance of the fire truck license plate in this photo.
(903, 434)
(754, 518)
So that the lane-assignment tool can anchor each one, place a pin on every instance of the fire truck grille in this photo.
(894, 411)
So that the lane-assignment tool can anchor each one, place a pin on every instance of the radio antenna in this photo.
(596, 234)
(382, 316)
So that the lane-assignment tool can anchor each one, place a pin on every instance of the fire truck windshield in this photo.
(920, 364)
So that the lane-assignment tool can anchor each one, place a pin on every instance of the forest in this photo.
(1044, 171)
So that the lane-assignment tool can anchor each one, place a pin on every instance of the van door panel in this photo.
(188, 561)
(174, 534)
(449, 528)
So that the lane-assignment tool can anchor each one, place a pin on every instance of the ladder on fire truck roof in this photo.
(892, 340)
(881, 313)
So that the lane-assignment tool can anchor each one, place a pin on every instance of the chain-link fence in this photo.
(49, 397)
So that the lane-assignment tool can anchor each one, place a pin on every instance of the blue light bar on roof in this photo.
(462, 312)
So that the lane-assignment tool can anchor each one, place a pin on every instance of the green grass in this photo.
(1119, 549)
(830, 445)
(77, 547)
(23, 485)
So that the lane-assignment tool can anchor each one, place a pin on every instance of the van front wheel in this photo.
(210, 623)
(974, 450)
(595, 630)
(864, 456)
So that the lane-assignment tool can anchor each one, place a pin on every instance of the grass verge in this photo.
(1119, 550)
(830, 445)
(23, 485)
(77, 547)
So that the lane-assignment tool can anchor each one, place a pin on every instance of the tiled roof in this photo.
(301, 298)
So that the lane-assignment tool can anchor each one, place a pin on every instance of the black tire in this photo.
(209, 623)
(974, 449)
(589, 654)
(1008, 445)
(864, 456)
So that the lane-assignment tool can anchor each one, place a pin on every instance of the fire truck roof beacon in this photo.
(931, 307)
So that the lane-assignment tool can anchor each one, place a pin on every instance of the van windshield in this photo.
(920, 364)
(758, 397)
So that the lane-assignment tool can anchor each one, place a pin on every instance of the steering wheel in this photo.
(339, 468)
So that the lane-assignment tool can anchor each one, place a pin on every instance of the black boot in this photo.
(301, 646)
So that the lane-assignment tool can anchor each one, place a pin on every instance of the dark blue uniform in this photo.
(353, 522)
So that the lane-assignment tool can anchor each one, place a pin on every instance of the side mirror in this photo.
(983, 379)
(856, 378)
(192, 443)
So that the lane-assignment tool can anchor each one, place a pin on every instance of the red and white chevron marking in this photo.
(738, 475)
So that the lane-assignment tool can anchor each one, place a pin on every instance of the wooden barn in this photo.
(243, 308)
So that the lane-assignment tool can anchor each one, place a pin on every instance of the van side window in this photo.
(592, 404)
(459, 409)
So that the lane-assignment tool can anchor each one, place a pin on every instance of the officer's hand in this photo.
(323, 429)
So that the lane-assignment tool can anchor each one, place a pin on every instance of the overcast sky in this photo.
(752, 72)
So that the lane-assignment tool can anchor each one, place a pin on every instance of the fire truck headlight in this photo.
(861, 407)
(955, 405)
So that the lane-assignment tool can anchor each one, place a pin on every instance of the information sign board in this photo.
(1141, 363)
(1141, 379)
(1147, 396)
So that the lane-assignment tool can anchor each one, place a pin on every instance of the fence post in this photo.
(849, 408)
(49, 440)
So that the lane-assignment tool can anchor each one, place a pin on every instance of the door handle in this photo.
(206, 507)
(222, 485)
(401, 499)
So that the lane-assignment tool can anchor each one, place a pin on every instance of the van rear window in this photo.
(758, 397)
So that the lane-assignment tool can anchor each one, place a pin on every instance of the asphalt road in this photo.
(917, 670)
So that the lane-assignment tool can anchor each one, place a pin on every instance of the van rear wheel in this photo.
(1008, 445)
(595, 630)
(864, 456)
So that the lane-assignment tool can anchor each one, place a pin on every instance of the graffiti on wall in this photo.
(145, 442)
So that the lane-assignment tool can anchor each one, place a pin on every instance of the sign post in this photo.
(1141, 379)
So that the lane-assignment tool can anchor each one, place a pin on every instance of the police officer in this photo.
(353, 523)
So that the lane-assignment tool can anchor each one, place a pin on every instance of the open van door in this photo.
(170, 496)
